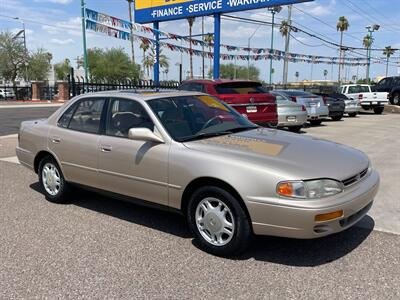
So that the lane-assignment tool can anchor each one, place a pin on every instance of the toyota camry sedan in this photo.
(193, 154)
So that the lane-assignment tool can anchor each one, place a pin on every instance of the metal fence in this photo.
(78, 86)
(7, 92)
(48, 92)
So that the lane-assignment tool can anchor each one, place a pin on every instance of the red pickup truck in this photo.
(249, 98)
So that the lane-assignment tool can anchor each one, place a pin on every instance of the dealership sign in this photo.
(147, 11)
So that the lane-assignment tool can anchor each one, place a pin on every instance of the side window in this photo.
(193, 87)
(66, 117)
(184, 87)
(125, 114)
(87, 116)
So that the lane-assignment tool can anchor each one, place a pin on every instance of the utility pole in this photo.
(370, 29)
(286, 60)
(131, 30)
(85, 63)
(273, 10)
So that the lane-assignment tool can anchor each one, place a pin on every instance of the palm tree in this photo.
(388, 52)
(162, 60)
(325, 73)
(342, 26)
(209, 38)
(145, 46)
(284, 28)
(297, 74)
(191, 22)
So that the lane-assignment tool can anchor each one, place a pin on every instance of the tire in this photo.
(236, 237)
(352, 115)
(337, 118)
(378, 110)
(295, 128)
(396, 99)
(54, 187)
(315, 122)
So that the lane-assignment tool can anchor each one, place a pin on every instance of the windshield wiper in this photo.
(204, 135)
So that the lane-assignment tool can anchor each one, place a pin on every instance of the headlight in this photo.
(312, 189)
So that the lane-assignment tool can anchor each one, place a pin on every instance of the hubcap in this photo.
(396, 99)
(51, 179)
(215, 221)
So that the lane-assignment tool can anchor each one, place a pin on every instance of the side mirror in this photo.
(144, 134)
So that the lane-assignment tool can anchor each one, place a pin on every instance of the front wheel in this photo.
(396, 99)
(378, 110)
(352, 115)
(218, 222)
(337, 118)
(52, 180)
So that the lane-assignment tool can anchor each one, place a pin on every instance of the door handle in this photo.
(105, 148)
(55, 140)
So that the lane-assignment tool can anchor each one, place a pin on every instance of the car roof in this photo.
(144, 95)
(218, 81)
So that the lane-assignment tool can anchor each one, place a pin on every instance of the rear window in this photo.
(242, 88)
(358, 89)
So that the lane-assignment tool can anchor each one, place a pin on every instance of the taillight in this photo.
(325, 100)
(303, 108)
(360, 96)
(293, 98)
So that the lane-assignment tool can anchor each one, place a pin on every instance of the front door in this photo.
(136, 169)
(75, 140)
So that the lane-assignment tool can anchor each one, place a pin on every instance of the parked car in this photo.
(316, 108)
(336, 105)
(6, 93)
(249, 98)
(390, 85)
(290, 114)
(194, 154)
(368, 100)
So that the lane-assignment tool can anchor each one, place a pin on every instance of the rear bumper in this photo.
(283, 119)
(298, 221)
(352, 109)
(25, 157)
(316, 113)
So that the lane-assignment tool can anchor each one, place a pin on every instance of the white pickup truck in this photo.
(366, 97)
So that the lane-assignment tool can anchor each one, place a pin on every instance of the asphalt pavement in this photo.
(11, 116)
(97, 247)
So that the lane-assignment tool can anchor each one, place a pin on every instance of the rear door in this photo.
(249, 99)
(75, 140)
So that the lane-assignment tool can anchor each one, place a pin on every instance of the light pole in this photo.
(273, 10)
(370, 29)
(85, 62)
(248, 47)
(23, 31)
(131, 30)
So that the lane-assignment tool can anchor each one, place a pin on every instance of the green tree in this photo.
(209, 38)
(227, 71)
(284, 28)
(12, 58)
(163, 60)
(191, 22)
(388, 52)
(144, 47)
(342, 26)
(39, 64)
(62, 69)
(111, 65)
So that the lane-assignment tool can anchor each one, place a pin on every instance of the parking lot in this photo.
(98, 246)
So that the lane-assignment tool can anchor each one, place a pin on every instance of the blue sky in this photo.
(55, 26)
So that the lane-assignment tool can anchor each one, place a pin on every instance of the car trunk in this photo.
(250, 100)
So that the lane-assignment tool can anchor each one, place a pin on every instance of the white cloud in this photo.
(62, 42)
(56, 1)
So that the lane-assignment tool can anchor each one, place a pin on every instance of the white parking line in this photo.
(12, 159)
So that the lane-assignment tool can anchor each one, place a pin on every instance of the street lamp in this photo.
(273, 10)
(370, 29)
(23, 31)
(248, 46)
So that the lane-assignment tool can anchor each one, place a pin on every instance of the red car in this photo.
(249, 98)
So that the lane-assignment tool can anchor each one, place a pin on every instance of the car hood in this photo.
(293, 155)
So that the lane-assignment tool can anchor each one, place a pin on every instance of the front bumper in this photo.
(296, 218)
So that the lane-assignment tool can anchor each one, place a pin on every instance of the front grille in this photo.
(354, 179)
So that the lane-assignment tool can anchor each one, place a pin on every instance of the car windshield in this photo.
(355, 89)
(195, 117)
(242, 88)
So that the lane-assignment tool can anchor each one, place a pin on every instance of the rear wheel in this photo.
(315, 122)
(378, 110)
(337, 118)
(295, 128)
(396, 99)
(218, 221)
(352, 115)
(52, 180)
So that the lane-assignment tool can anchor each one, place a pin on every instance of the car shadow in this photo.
(284, 251)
